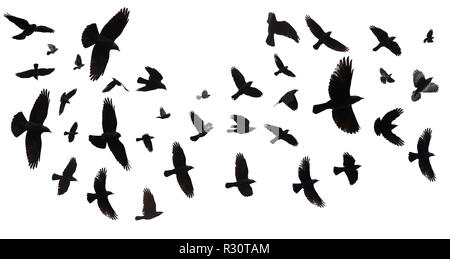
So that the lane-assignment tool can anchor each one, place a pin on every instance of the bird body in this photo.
(66, 177)
(163, 114)
(422, 85)
(280, 28)
(72, 132)
(429, 38)
(242, 125)
(385, 77)
(113, 84)
(153, 82)
(52, 49)
(281, 67)
(101, 195)
(349, 168)
(65, 99)
(281, 134)
(307, 184)
(149, 208)
(181, 170)
(243, 183)
(36, 72)
(385, 126)
(423, 155)
(78, 63)
(203, 95)
(200, 126)
(289, 99)
(244, 87)
(323, 37)
(27, 28)
(147, 139)
(385, 41)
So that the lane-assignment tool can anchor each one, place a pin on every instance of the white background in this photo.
(194, 44)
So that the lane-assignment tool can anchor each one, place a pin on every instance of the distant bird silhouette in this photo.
(384, 126)
(203, 95)
(112, 84)
(72, 132)
(181, 170)
(101, 195)
(199, 126)
(66, 177)
(52, 49)
(422, 85)
(323, 37)
(149, 209)
(147, 139)
(242, 125)
(423, 155)
(242, 181)
(34, 128)
(153, 82)
(65, 99)
(104, 41)
(243, 86)
(341, 101)
(27, 28)
(110, 135)
(429, 37)
(282, 68)
(280, 28)
(163, 114)
(385, 77)
(289, 99)
(78, 63)
(385, 41)
(350, 169)
(35, 72)
(281, 134)
(307, 184)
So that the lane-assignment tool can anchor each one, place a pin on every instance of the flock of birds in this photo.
(340, 103)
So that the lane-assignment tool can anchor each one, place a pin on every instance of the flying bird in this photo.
(385, 41)
(289, 99)
(147, 139)
(51, 49)
(429, 37)
(307, 184)
(163, 114)
(242, 125)
(323, 37)
(153, 82)
(385, 77)
(149, 209)
(78, 63)
(34, 127)
(280, 28)
(66, 177)
(243, 86)
(200, 126)
(112, 84)
(104, 41)
(282, 68)
(281, 134)
(110, 135)
(181, 170)
(72, 132)
(341, 101)
(101, 195)
(65, 99)
(27, 28)
(423, 155)
(35, 72)
(422, 85)
(350, 169)
(243, 183)
(203, 95)
(384, 126)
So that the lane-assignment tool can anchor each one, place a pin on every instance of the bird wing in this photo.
(289, 73)
(418, 77)
(340, 81)
(394, 139)
(70, 168)
(345, 120)
(241, 169)
(348, 160)
(99, 60)
(313, 197)
(149, 203)
(74, 127)
(198, 122)
(253, 92)
(289, 138)
(426, 169)
(115, 26)
(71, 93)
(336, 45)
(303, 171)
(238, 78)
(154, 74)
(19, 22)
(278, 61)
(109, 120)
(392, 115)
(394, 48)
(148, 144)
(45, 71)
(51, 47)
(315, 28)
(41, 28)
(379, 33)
(431, 88)
(33, 144)
(40, 107)
(430, 34)
(285, 29)
(185, 182)
(63, 186)
(25, 74)
(100, 181)
(109, 86)
(424, 142)
(61, 107)
(178, 157)
(106, 208)
(274, 129)
(78, 60)
(290, 100)
(162, 112)
(119, 152)
(383, 72)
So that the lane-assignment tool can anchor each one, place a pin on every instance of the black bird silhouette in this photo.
(281, 67)
(104, 41)
(385, 77)
(110, 135)
(350, 169)
(35, 72)
(78, 63)
(153, 82)
(384, 126)
(147, 139)
(66, 177)
(199, 126)
(52, 49)
(101, 195)
(242, 181)
(149, 209)
(203, 95)
(385, 41)
(242, 125)
(112, 84)
(323, 37)
(65, 99)
(243, 86)
(281, 28)
(429, 37)
(423, 155)
(307, 184)
(72, 132)
(341, 101)
(422, 85)
(34, 127)
(163, 114)
(181, 170)
(281, 134)
(289, 99)
(27, 28)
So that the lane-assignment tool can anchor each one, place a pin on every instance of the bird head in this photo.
(431, 154)
(45, 129)
(189, 167)
(251, 181)
(328, 33)
(151, 137)
(114, 46)
(35, 65)
(74, 179)
(251, 129)
(392, 38)
(357, 166)
(356, 99)
(314, 181)
(109, 193)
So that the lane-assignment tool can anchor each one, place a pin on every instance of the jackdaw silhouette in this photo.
(385, 41)
(323, 37)
(242, 125)
(66, 177)
(203, 95)
(289, 99)
(384, 126)
(51, 49)
(78, 63)
(181, 170)
(65, 99)
(280, 28)
(430, 37)
(101, 195)
(200, 126)
(147, 139)
(243, 183)
(307, 184)
(243, 86)
(153, 82)
(112, 84)
(149, 209)
(72, 132)
(163, 114)
(423, 155)
(350, 169)
(281, 67)
(281, 134)
(35, 72)
(422, 85)
(27, 28)
(385, 77)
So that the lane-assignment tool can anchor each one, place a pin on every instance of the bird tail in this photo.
(317, 45)
(412, 156)
(66, 133)
(277, 73)
(195, 138)
(97, 141)
(270, 40)
(139, 139)
(199, 97)
(49, 52)
(18, 124)
(235, 96)
(229, 185)
(338, 170)
(377, 47)
(297, 187)
(56, 177)
(141, 80)
(90, 35)
(415, 96)
(75, 68)
(91, 197)
(169, 173)
(318, 108)
(139, 217)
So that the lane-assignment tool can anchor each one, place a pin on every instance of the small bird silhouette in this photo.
(149, 209)
(307, 184)
(203, 95)
(72, 132)
(181, 170)
(423, 155)
(350, 169)
(65, 99)
(52, 49)
(281, 134)
(289, 99)
(429, 38)
(153, 82)
(27, 28)
(422, 85)
(384, 126)
(78, 63)
(101, 195)
(241, 172)
(385, 77)
(163, 114)
(281, 67)
(323, 37)
(243, 86)
(280, 28)
(385, 41)
(242, 125)
(66, 177)
(147, 139)
(35, 72)
(200, 126)
(112, 84)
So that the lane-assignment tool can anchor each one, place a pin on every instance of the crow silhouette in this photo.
(199, 126)
(289, 99)
(112, 84)
(203, 95)
(281, 67)
(66, 177)
(52, 49)
(385, 77)
(163, 114)
(384, 126)
(149, 209)
(429, 37)
(242, 125)
(153, 82)
(385, 41)
(72, 132)
(307, 184)
(65, 99)
(181, 170)
(242, 182)
(27, 28)
(350, 169)
(280, 28)
(422, 85)
(147, 139)
(36, 72)
(101, 195)
(243, 86)
(423, 155)
(323, 37)
(78, 63)
(281, 134)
